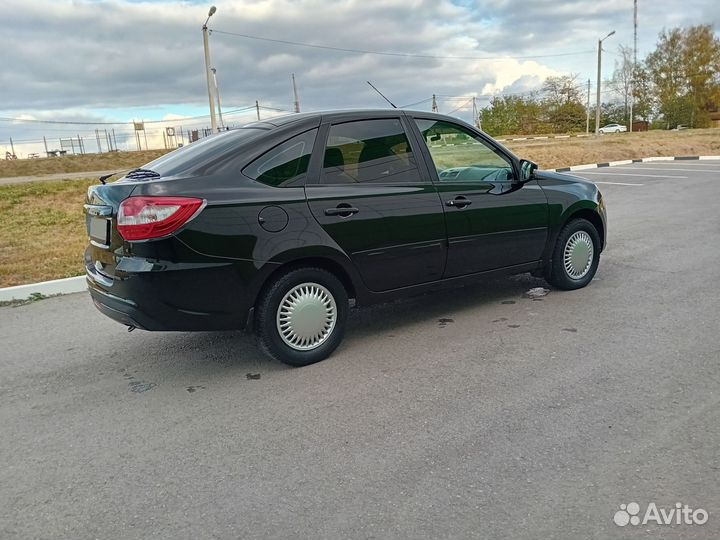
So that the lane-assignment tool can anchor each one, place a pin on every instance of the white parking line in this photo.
(617, 184)
(630, 174)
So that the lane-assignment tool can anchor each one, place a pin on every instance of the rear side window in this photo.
(369, 151)
(286, 164)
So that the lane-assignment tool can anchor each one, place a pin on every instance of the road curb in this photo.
(77, 284)
(630, 161)
(543, 137)
(45, 288)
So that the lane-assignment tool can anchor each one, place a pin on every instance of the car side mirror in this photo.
(435, 137)
(527, 170)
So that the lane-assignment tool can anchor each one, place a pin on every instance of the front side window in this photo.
(368, 151)
(461, 156)
(286, 164)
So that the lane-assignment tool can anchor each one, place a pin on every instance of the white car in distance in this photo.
(612, 128)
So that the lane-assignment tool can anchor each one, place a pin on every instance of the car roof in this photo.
(335, 113)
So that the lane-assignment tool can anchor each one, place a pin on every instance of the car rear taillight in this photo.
(144, 218)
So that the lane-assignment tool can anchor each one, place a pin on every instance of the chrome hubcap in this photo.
(306, 316)
(578, 255)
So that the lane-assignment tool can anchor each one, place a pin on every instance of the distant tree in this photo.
(614, 113)
(643, 97)
(562, 104)
(562, 89)
(684, 70)
(499, 118)
(511, 115)
(701, 58)
(622, 80)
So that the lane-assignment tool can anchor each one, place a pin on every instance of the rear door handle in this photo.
(459, 202)
(342, 211)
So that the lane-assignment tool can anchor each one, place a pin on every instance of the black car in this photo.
(281, 222)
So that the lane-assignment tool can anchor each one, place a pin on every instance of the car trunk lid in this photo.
(106, 245)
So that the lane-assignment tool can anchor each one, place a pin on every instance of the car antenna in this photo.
(379, 92)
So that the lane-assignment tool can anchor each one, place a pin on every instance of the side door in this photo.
(491, 222)
(377, 204)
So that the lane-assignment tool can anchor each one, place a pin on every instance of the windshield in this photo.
(183, 159)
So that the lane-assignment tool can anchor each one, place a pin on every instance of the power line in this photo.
(400, 54)
(82, 123)
(416, 103)
(460, 107)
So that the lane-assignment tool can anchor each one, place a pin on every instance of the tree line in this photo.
(678, 83)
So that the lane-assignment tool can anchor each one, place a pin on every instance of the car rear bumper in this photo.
(176, 299)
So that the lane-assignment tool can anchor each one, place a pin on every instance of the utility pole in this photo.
(97, 138)
(587, 110)
(257, 108)
(295, 93)
(474, 112)
(434, 104)
(599, 77)
(217, 95)
(206, 45)
(45, 142)
(634, 66)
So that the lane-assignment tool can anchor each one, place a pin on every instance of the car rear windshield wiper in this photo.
(136, 174)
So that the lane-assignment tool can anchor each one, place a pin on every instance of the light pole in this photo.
(599, 75)
(217, 96)
(213, 121)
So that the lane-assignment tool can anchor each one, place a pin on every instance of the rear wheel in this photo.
(300, 317)
(576, 255)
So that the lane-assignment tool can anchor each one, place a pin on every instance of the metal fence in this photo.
(102, 140)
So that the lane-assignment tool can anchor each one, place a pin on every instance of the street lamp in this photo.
(213, 121)
(599, 75)
(217, 95)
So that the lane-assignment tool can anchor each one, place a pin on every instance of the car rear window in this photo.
(188, 157)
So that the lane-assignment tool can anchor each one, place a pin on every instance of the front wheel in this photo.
(300, 318)
(576, 256)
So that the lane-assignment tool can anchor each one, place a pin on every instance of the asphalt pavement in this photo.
(50, 177)
(477, 413)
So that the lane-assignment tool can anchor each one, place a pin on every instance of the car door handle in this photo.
(342, 211)
(459, 202)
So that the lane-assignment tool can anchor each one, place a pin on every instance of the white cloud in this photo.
(62, 57)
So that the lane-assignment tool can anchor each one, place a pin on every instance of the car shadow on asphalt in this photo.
(197, 359)
(238, 349)
(437, 306)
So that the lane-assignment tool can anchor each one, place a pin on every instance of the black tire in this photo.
(558, 275)
(266, 316)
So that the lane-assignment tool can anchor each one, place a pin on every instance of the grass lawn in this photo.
(108, 161)
(552, 154)
(42, 231)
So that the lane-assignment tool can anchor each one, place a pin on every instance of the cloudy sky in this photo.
(114, 61)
